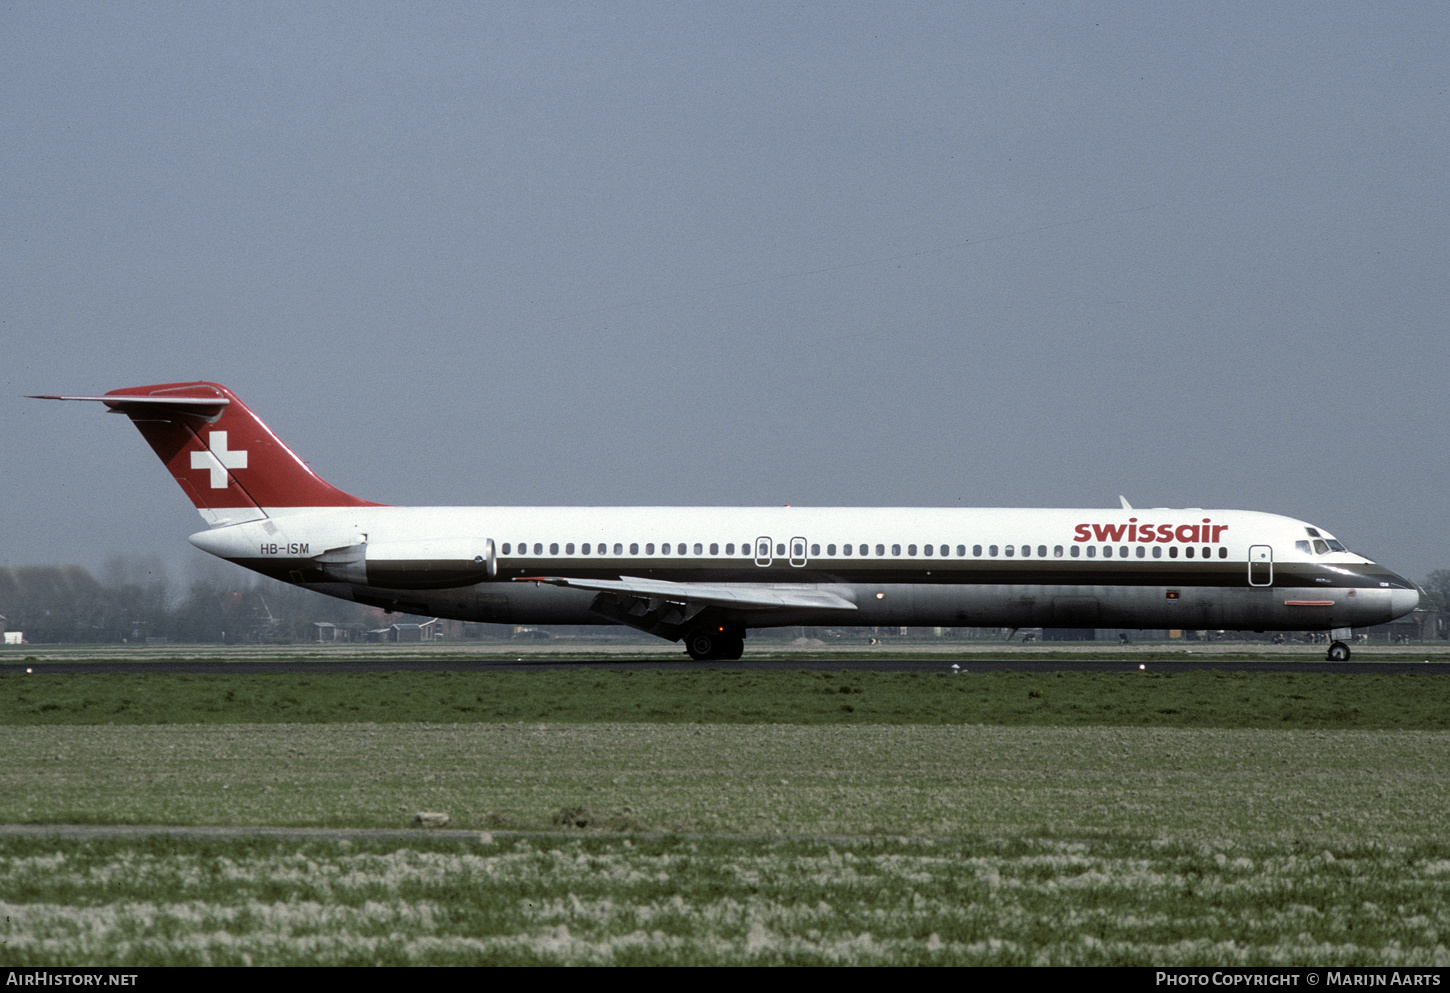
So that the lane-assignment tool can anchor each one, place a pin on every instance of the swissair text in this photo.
(1206, 533)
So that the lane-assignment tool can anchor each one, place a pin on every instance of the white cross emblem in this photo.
(218, 459)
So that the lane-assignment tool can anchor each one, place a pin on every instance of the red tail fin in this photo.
(229, 463)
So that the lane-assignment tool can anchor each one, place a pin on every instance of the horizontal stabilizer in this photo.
(125, 401)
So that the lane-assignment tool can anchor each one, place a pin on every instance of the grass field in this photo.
(1320, 786)
(660, 901)
(1145, 699)
(709, 817)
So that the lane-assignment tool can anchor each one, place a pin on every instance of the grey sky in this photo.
(944, 255)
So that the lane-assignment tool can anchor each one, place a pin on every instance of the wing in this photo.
(756, 596)
(669, 610)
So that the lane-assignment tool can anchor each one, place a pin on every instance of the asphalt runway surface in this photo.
(924, 665)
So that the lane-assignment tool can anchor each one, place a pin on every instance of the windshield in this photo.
(1321, 543)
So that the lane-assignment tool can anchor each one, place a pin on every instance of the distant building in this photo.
(407, 632)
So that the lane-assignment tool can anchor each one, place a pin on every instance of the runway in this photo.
(924, 664)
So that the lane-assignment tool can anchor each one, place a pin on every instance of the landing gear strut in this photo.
(715, 643)
(1338, 652)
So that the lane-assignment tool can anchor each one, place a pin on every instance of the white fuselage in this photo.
(1153, 568)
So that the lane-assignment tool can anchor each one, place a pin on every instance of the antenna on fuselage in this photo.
(1124, 501)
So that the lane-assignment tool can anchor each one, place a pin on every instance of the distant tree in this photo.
(1437, 591)
(54, 603)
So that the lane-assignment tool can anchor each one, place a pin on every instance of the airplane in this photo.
(708, 575)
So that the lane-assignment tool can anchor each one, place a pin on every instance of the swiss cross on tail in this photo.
(217, 459)
(203, 428)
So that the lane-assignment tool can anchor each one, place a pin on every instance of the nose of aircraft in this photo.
(1403, 601)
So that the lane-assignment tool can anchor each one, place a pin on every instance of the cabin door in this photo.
(1261, 565)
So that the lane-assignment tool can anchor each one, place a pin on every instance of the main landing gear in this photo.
(715, 643)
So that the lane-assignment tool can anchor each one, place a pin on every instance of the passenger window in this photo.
(881, 549)
(1142, 552)
(976, 551)
(925, 550)
(585, 548)
(729, 548)
(830, 549)
(569, 548)
(962, 551)
(1026, 551)
(780, 549)
(633, 547)
(1042, 551)
(1173, 551)
(506, 549)
(1075, 551)
(700, 549)
(1188, 552)
(1007, 551)
(845, 549)
(1223, 553)
(618, 549)
(992, 551)
(553, 548)
(649, 548)
(816, 550)
(910, 549)
(1122, 551)
(538, 548)
(1092, 551)
(1157, 551)
(895, 549)
(714, 548)
(1057, 551)
(664, 549)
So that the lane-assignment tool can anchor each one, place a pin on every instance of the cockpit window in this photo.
(1302, 546)
(1323, 543)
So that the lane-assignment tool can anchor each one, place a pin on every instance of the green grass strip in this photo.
(1188, 700)
(1325, 786)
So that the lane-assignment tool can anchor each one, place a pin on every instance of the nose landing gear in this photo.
(715, 643)
(1338, 652)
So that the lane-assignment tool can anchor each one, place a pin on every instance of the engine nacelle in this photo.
(425, 564)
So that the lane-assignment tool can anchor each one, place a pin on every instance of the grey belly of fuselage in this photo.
(938, 605)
